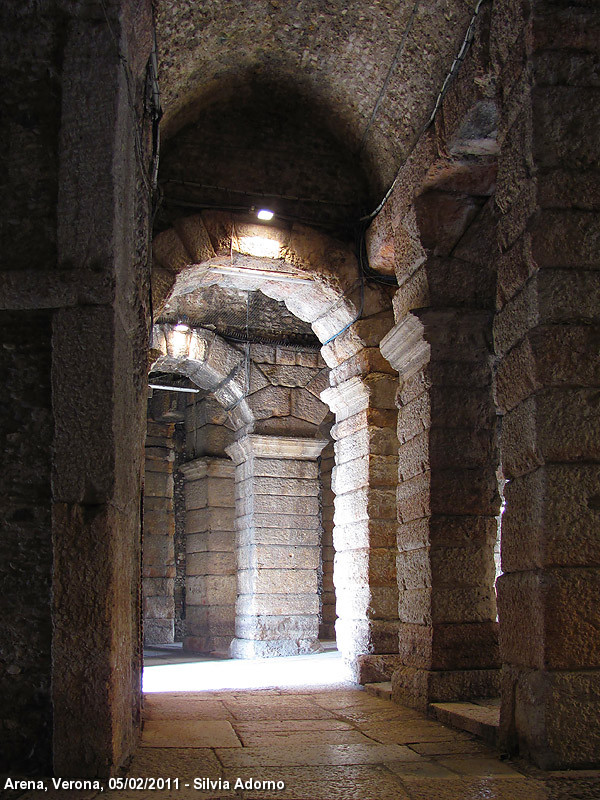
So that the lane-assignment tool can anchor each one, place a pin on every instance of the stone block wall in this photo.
(364, 480)
(328, 613)
(158, 555)
(26, 544)
(546, 333)
(211, 583)
(278, 533)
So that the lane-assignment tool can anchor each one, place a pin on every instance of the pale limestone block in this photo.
(266, 627)
(282, 522)
(306, 406)
(209, 589)
(205, 519)
(278, 486)
(300, 537)
(365, 504)
(366, 471)
(278, 581)
(270, 603)
(277, 557)
(215, 541)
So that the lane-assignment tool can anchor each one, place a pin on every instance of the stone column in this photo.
(364, 481)
(158, 555)
(278, 530)
(210, 555)
(328, 616)
(447, 505)
(546, 332)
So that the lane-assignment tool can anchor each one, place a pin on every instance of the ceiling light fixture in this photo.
(265, 214)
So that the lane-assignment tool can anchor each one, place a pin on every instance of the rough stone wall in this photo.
(208, 429)
(546, 333)
(281, 386)
(336, 56)
(328, 615)
(211, 567)
(53, 262)
(26, 544)
(278, 531)
(180, 554)
(441, 232)
(158, 553)
(30, 55)
(99, 376)
(263, 147)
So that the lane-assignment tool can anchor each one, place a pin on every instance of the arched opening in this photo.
(270, 392)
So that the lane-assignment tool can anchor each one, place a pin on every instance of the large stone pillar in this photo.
(278, 530)
(447, 505)
(364, 481)
(158, 553)
(546, 332)
(210, 584)
(328, 615)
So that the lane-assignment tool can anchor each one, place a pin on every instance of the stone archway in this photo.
(319, 281)
(253, 575)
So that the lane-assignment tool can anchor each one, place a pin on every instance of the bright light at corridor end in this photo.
(265, 214)
(324, 669)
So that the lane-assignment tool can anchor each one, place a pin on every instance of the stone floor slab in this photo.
(447, 747)
(279, 711)
(332, 783)
(409, 733)
(183, 763)
(334, 755)
(186, 708)
(480, 789)
(188, 733)
(293, 725)
(477, 765)
(302, 738)
(419, 769)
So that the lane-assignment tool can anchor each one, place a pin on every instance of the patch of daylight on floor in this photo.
(319, 669)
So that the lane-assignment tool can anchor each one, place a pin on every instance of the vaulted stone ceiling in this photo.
(311, 100)
(239, 315)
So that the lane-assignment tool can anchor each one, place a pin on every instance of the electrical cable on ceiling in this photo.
(386, 83)
(446, 84)
(195, 185)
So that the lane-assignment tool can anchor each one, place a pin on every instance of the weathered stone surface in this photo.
(258, 556)
(207, 589)
(210, 541)
(209, 519)
(364, 504)
(551, 517)
(263, 628)
(367, 636)
(370, 470)
(365, 533)
(278, 604)
(547, 427)
(417, 687)
(549, 619)
(543, 714)
(364, 568)
(554, 355)
(278, 581)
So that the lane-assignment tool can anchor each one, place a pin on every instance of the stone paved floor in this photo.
(334, 744)
(324, 744)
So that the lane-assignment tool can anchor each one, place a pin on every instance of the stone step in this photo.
(383, 689)
(480, 717)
